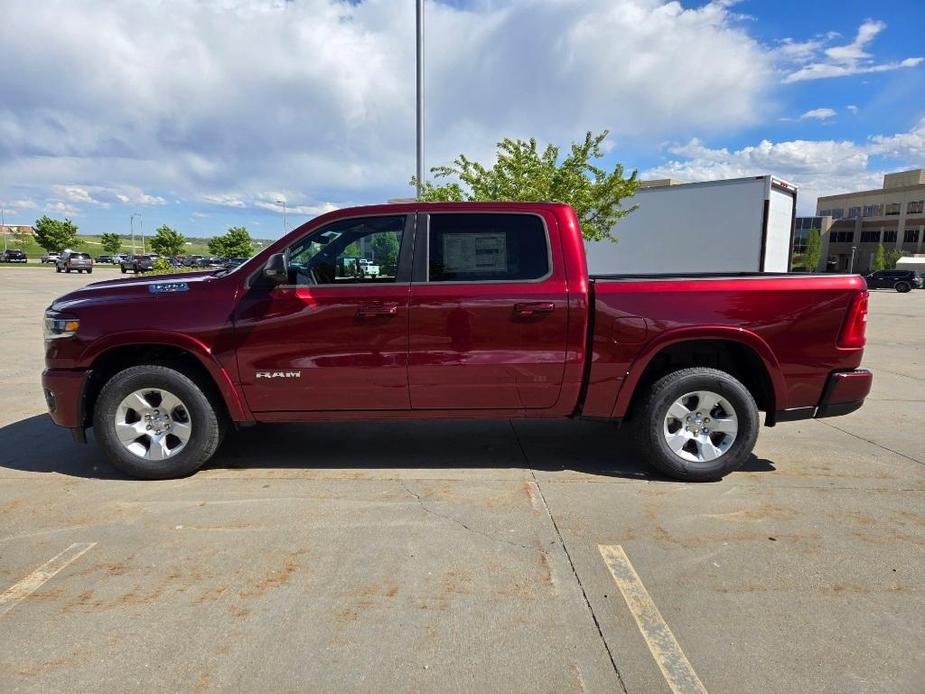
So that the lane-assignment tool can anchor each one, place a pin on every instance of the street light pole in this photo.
(851, 263)
(131, 221)
(419, 15)
(3, 227)
(285, 221)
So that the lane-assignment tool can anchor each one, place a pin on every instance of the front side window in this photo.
(350, 251)
(486, 247)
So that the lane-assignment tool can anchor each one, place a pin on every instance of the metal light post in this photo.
(131, 221)
(851, 262)
(3, 227)
(420, 96)
(285, 221)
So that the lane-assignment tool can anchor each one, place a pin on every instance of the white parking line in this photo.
(31, 583)
(664, 646)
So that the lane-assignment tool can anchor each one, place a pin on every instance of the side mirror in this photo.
(276, 271)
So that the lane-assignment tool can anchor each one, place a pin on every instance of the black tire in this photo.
(123, 269)
(902, 287)
(57, 268)
(208, 425)
(650, 423)
(89, 272)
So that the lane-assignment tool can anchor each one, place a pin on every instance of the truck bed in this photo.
(786, 326)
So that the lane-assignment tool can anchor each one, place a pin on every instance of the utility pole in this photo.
(131, 221)
(3, 228)
(285, 221)
(851, 263)
(419, 14)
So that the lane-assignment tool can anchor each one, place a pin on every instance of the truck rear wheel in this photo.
(902, 287)
(156, 422)
(698, 425)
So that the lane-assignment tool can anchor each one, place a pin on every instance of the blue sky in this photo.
(202, 114)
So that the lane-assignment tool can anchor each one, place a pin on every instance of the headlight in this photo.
(58, 325)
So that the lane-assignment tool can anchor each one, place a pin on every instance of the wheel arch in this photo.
(738, 352)
(121, 351)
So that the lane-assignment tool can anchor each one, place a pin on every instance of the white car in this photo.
(369, 270)
(51, 257)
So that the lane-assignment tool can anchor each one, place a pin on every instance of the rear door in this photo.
(488, 312)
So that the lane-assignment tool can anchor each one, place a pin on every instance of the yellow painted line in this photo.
(663, 645)
(31, 583)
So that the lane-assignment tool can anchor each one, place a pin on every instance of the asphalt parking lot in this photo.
(466, 557)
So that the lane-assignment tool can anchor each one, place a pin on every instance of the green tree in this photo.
(235, 243)
(813, 250)
(168, 241)
(385, 249)
(111, 243)
(522, 172)
(879, 261)
(892, 256)
(55, 235)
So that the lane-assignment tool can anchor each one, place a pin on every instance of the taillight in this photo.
(852, 332)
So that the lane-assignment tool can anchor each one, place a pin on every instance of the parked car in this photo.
(900, 280)
(13, 255)
(74, 260)
(491, 314)
(192, 260)
(104, 259)
(137, 263)
(50, 257)
(233, 262)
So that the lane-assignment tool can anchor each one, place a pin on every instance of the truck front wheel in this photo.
(698, 425)
(156, 422)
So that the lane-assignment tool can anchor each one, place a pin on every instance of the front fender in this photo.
(201, 351)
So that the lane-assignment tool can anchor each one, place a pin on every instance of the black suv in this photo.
(137, 263)
(900, 280)
(13, 256)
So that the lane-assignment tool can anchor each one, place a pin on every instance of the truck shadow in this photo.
(36, 445)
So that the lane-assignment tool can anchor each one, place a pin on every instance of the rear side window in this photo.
(485, 247)
(84, 256)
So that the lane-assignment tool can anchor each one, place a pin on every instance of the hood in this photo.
(131, 289)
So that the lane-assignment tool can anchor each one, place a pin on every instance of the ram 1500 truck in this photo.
(488, 312)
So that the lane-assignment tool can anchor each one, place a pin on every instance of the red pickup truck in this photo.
(477, 310)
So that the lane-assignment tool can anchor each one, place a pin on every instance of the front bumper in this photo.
(64, 394)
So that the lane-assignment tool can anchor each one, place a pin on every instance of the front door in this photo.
(335, 337)
(489, 313)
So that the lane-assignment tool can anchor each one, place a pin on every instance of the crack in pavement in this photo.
(873, 443)
(458, 522)
(568, 556)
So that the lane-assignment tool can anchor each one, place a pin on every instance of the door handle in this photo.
(534, 308)
(376, 309)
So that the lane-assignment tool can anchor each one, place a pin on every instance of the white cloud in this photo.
(316, 97)
(819, 114)
(817, 60)
(224, 199)
(21, 204)
(852, 108)
(62, 208)
(818, 167)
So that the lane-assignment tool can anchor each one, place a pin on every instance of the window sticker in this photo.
(467, 252)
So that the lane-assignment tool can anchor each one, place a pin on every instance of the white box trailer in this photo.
(915, 262)
(736, 225)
